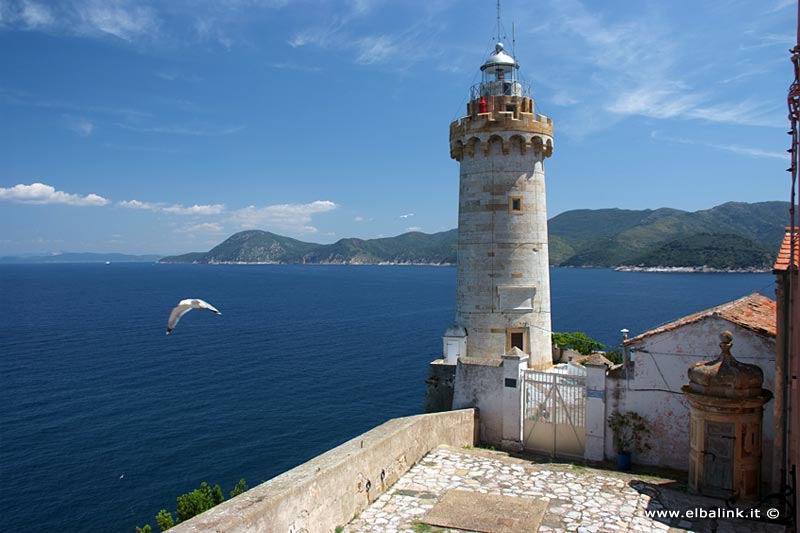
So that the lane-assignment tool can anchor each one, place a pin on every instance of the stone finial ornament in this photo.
(727, 402)
(724, 376)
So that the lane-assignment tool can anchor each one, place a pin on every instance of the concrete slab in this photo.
(486, 513)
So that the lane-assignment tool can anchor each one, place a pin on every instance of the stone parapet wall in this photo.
(331, 489)
(509, 120)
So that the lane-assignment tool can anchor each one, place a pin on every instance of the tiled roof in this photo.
(782, 262)
(755, 312)
(593, 359)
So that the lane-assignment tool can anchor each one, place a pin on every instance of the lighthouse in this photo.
(503, 278)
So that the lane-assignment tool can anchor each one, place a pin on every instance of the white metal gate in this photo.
(554, 412)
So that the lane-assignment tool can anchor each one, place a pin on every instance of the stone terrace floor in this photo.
(573, 498)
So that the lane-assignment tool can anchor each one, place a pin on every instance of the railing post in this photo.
(595, 412)
(513, 412)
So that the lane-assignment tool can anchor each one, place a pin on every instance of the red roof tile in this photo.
(755, 312)
(782, 262)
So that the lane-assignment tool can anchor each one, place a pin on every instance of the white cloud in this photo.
(413, 228)
(671, 101)
(36, 15)
(288, 217)
(173, 75)
(137, 21)
(663, 101)
(376, 49)
(635, 64)
(407, 215)
(782, 4)
(177, 209)
(359, 219)
(361, 7)
(80, 125)
(205, 227)
(214, 209)
(747, 113)
(763, 40)
(195, 131)
(734, 148)
(752, 152)
(295, 66)
(562, 98)
(399, 48)
(20, 98)
(118, 18)
(123, 19)
(40, 193)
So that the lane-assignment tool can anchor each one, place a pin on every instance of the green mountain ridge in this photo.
(256, 246)
(733, 235)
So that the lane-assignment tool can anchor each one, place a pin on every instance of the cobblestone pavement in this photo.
(579, 499)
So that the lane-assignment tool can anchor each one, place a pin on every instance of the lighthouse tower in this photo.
(503, 279)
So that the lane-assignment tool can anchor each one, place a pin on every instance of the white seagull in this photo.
(184, 306)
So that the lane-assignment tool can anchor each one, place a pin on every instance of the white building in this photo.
(660, 359)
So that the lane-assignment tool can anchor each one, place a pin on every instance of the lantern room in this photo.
(500, 74)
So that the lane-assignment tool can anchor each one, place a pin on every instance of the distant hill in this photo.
(611, 237)
(730, 236)
(704, 250)
(82, 257)
(255, 246)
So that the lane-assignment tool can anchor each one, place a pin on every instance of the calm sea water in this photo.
(104, 420)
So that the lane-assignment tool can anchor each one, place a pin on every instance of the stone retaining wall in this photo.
(332, 488)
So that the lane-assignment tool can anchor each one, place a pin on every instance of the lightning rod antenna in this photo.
(513, 41)
(498, 21)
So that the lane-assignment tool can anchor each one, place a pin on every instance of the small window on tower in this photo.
(517, 338)
(515, 204)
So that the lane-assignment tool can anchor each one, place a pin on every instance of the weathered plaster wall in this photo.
(330, 489)
(440, 384)
(665, 367)
(479, 383)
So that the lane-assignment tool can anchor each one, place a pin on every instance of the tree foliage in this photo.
(198, 501)
(192, 504)
(240, 487)
(164, 520)
(578, 341)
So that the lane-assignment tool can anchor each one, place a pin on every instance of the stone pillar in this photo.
(595, 412)
(727, 404)
(513, 364)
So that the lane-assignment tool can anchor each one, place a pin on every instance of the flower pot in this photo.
(623, 461)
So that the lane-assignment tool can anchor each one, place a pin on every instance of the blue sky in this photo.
(163, 127)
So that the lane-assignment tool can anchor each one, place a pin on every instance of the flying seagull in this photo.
(184, 306)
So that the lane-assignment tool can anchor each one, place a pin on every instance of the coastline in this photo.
(621, 268)
(323, 263)
(691, 269)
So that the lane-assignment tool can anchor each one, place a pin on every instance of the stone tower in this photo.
(503, 278)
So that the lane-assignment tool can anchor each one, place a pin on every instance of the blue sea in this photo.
(105, 420)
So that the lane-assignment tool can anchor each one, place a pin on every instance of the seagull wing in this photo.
(176, 315)
(202, 304)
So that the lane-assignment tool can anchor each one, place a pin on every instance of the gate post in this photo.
(513, 363)
(595, 411)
